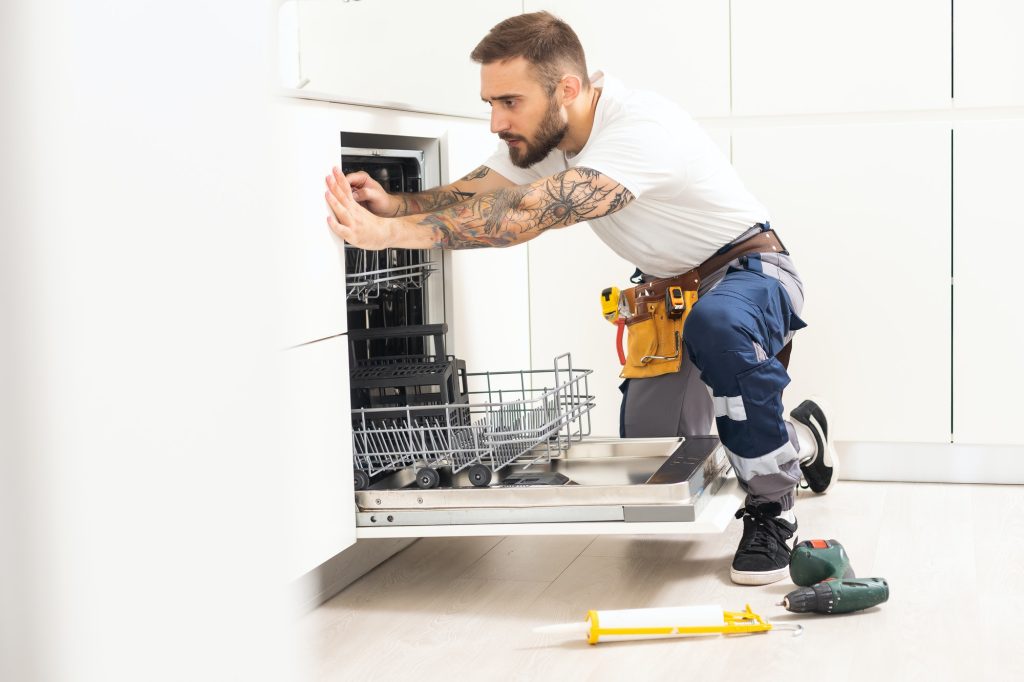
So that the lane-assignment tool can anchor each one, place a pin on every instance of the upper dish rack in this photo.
(371, 273)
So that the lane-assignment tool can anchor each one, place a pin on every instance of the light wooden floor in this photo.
(462, 609)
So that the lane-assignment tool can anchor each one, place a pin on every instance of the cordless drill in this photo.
(827, 581)
(835, 595)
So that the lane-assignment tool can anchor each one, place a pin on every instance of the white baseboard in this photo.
(931, 462)
(331, 577)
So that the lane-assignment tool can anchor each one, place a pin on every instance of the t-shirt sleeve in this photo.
(500, 163)
(643, 157)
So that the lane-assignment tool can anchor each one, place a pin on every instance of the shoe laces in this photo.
(768, 532)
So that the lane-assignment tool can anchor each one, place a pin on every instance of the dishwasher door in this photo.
(597, 486)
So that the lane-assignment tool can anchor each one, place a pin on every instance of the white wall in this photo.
(987, 369)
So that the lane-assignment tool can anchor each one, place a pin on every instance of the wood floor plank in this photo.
(529, 557)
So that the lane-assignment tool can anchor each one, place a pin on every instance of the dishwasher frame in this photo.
(692, 491)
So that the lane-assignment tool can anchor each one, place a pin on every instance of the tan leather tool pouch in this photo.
(655, 341)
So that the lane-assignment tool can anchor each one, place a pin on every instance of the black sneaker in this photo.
(820, 469)
(763, 554)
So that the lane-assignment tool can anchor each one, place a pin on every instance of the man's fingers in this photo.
(357, 179)
(335, 188)
(339, 177)
(337, 208)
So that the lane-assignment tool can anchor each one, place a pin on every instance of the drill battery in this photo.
(812, 561)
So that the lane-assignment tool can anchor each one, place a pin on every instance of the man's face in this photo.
(522, 113)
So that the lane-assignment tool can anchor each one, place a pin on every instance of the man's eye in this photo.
(510, 103)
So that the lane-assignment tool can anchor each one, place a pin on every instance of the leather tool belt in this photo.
(655, 343)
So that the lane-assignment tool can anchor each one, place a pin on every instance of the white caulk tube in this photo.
(656, 623)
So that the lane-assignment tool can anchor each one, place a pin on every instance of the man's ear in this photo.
(570, 87)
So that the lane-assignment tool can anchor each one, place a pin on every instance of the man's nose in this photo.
(499, 123)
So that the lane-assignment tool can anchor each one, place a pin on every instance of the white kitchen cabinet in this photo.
(680, 49)
(568, 270)
(987, 223)
(865, 212)
(491, 315)
(493, 324)
(490, 312)
(306, 141)
(807, 56)
(406, 54)
(988, 57)
(318, 451)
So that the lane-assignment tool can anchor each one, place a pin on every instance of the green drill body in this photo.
(812, 561)
(838, 596)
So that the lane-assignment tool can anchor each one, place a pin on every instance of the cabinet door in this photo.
(808, 56)
(679, 49)
(865, 212)
(987, 223)
(490, 312)
(318, 450)
(307, 145)
(568, 270)
(988, 62)
(403, 53)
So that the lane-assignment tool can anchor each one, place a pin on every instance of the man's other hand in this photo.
(350, 221)
(371, 195)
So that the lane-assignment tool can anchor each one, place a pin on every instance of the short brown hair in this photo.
(541, 38)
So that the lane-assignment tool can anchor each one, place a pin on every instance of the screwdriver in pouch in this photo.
(836, 595)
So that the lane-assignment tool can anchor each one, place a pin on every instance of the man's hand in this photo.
(353, 223)
(371, 196)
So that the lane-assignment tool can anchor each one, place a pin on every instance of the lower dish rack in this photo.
(503, 417)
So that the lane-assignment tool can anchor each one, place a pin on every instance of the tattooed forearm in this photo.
(434, 199)
(514, 215)
(430, 200)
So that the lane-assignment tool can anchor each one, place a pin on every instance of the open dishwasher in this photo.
(440, 450)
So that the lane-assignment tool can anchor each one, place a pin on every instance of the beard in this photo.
(549, 135)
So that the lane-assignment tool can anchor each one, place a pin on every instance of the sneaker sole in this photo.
(831, 461)
(829, 456)
(758, 577)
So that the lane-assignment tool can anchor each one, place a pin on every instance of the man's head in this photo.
(532, 68)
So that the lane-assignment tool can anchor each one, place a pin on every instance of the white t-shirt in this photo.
(688, 200)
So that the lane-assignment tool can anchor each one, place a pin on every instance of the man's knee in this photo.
(715, 323)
